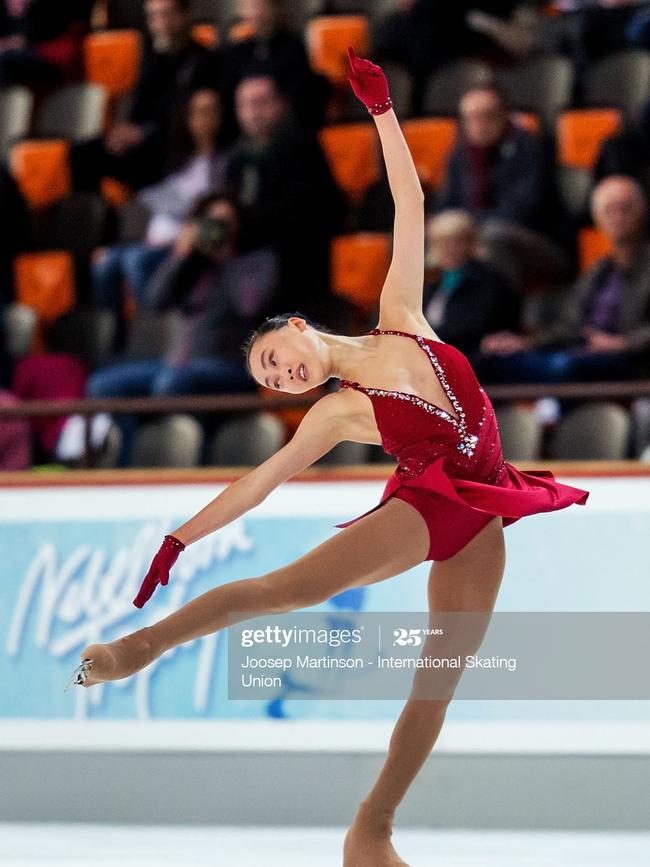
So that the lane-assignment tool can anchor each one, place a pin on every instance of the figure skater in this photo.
(447, 501)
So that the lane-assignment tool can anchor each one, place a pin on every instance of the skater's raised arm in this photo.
(403, 286)
(325, 424)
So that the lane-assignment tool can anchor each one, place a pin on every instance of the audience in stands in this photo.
(219, 290)
(221, 293)
(273, 47)
(603, 328)
(289, 197)
(467, 299)
(503, 175)
(41, 41)
(198, 165)
(243, 119)
(15, 438)
(173, 64)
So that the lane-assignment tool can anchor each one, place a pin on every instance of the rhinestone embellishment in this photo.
(467, 442)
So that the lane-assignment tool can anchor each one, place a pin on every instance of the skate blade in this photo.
(79, 675)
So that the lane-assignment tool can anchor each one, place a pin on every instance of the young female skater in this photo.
(448, 500)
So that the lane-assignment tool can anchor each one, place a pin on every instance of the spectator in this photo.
(49, 375)
(198, 166)
(288, 195)
(41, 42)
(603, 330)
(503, 176)
(220, 292)
(426, 35)
(173, 64)
(468, 299)
(276, 49)
(15, 438)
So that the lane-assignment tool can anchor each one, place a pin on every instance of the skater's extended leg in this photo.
(383, 544)
(468, 581)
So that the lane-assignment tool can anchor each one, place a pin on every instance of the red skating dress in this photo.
(451, 467)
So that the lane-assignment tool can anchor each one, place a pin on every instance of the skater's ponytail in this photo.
(274, 323)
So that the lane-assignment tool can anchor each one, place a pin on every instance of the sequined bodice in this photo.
(416, 432)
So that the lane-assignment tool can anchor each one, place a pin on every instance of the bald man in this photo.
(603, 328)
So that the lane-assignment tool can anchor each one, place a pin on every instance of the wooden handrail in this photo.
(234, 403)
(225, 403)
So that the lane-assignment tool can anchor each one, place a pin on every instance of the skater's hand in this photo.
(159, 570)
(369, 84)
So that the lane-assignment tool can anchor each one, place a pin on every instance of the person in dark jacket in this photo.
(41, 41)
(503, 176)
(289, 197)
(135, 150)
(219, 290)
(467, 299)
(602, 330)
(275, 48)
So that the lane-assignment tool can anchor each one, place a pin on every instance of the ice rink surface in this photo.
(28, 845)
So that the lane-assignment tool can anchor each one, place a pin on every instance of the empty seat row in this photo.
(597, 430)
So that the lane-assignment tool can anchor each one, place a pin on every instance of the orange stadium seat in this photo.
(581, 133)
(430, 141)
(360, 263)
(592, 245)
(45, 282)
(352, 152)
(42, 170)
(241, 31)
(112, 58)
(206, 34)
(328, 38)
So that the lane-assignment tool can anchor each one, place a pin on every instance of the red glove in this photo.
(159, 570)
(369, 84)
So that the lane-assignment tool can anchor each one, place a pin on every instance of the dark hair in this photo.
(491, 86)
(274, 323)
(262, 69)
(181, 145)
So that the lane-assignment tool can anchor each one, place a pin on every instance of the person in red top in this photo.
(49, 376)
(15, 439)
(448, 500)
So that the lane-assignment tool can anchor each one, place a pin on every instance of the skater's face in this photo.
(287, 359)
